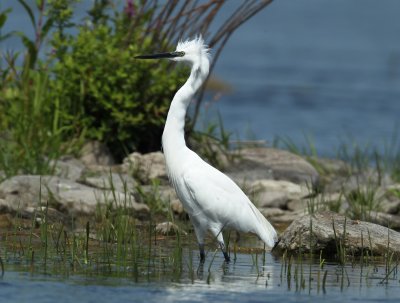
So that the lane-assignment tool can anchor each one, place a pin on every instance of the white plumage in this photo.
(212, 200)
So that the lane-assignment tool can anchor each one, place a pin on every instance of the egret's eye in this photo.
(181, 54)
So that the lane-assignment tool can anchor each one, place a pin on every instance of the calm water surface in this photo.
(241, 281)
(327, 69)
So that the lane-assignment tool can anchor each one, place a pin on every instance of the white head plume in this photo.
(194, 48)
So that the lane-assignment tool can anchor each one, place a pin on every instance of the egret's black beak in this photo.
(161, 55)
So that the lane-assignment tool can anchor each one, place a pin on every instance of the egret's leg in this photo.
(221, 243)
(224, 251)
(200, 239)
(202, 253)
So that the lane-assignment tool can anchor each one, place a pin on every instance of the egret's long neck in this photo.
(174, 135)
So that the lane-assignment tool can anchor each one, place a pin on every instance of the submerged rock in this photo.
(359, 236)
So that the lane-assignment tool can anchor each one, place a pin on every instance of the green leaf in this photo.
(6, 36)
(47, 26)
(3, 17)
(39, 3)
(28, 9)
(30, 46)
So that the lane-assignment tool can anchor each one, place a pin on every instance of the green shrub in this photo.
(79, 79)
(113, 97)
(89, 87)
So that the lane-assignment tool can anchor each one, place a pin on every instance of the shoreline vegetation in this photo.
(75, 198)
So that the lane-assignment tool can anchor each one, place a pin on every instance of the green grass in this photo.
(111, 243)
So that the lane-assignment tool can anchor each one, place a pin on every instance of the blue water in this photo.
(240, 281)
(326, 69)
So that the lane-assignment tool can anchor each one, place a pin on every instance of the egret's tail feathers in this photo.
(269, 235)
(265, 230)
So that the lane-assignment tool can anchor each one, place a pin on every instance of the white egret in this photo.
(211, 199)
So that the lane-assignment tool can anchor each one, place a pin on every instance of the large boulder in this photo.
(21, 192)
(272, 163)
(327, 232)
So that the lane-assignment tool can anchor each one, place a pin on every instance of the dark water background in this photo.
(326, 69)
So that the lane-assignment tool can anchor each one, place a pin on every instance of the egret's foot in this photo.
(227, 258)
(224, 251)
(200, 270)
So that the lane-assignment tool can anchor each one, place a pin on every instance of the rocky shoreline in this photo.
(284, 186)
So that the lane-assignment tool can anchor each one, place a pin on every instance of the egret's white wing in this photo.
(218, 198)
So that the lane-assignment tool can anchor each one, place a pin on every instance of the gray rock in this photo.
(391, 201)
(323, 236)
(177, 207)
(334, 201)
(21, 192)
(96, 153)
(274, 199)
(42, 213)
(146, 167)
(297, 205)
(120, 182)
(394, 187)
(169, 228)
(68, 168)
(6, 220)
(277, 193)
(3, 206)
(366, 179)
(335, 167)
(271, 163)
(384, 219)
(390, 206)
(272, 212)
(167, 193)
(284, 217)
(287, 218)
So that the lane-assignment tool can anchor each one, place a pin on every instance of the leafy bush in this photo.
(88, 87)
(111, 96)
